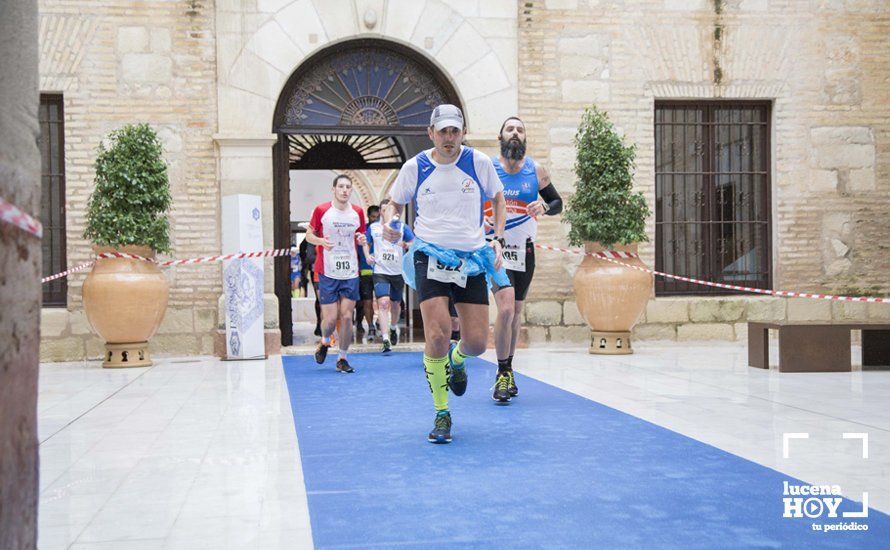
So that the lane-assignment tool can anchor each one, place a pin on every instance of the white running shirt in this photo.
(449, 197)
(387, 255)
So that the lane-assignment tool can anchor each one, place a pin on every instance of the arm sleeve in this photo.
(488, 176)
(402, 191)
(370, 237)
(553, 200)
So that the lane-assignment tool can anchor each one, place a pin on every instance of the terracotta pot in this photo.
(611, 298)
(125, 301)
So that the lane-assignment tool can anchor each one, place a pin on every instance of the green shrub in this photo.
(132, 196)
(603, 208)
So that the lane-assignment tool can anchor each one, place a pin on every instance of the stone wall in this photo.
(66, 335)
(718, 318)
(117, 62)
(821, 63)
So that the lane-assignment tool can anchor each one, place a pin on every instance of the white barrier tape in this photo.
(610, 256)
(81, 267)
(606, 254)
(205, 259)
(14, 215)
(190, 261)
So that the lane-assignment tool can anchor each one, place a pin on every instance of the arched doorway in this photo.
(356, 105)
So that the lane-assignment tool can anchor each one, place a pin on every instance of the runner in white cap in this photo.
(449, 185)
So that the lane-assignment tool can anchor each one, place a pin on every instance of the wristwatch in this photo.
(501, 241)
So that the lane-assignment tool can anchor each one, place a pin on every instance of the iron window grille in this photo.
(712, 194)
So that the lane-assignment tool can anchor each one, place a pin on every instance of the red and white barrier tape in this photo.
(610, 256)
(606, 254)
(81, 267)
(14, 215)
(205, 259)
(190, 261)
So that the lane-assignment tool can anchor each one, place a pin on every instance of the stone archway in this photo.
(255, 61)
(384, 191)
(361, 104)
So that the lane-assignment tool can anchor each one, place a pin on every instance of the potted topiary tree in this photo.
(125, 299)
(605, 214)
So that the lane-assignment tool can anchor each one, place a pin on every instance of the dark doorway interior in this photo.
(286, 159)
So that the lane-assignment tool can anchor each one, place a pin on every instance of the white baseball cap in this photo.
(446, 115)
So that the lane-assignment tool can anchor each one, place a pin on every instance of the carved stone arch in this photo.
(388, 185)
(362, 85)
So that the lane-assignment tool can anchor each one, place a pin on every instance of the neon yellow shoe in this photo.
(501, 392)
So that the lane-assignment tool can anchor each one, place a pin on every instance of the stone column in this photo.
(20, 261)
(245, 166)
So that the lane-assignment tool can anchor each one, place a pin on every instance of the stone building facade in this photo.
(120, 62)
(820, 65)
(208, 75)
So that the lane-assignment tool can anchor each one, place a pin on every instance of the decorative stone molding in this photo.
(254, 61)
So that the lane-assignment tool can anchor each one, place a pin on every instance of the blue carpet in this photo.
(550, 470)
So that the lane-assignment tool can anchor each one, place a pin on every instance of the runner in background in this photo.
(335, 228)
(389, 285)
(523, 180)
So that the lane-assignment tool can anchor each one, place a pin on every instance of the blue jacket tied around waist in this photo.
(472, 263)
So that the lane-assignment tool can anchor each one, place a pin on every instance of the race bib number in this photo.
(388, 257)
(514, 258)
(340, 265)
(438, 271)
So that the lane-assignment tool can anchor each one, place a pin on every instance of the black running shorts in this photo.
(476, 291)
(521, 280)
(366, 287)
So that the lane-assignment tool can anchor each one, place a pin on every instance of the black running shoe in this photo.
(501, 392)
(393, 336)
(321, 353)
(442, 430)
(386, 347)
(457, 379)
(372, 333)
(317, 331)
(343, 366)
(511, 386)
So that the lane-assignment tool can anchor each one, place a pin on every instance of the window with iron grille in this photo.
(712, 195)
(52, 202)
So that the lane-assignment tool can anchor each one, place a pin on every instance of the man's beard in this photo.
(512, 149)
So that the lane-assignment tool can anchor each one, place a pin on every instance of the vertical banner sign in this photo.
(242, 231)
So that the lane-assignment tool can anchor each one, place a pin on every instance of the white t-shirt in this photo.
(387, 255)
(449, 198)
